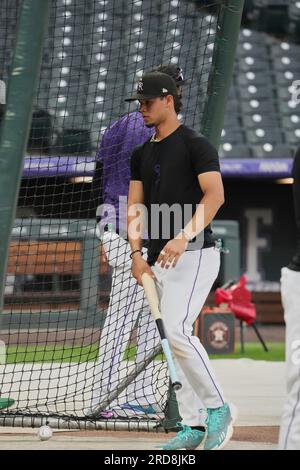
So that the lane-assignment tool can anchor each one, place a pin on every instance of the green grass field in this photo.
(19, 354)
(255, 351)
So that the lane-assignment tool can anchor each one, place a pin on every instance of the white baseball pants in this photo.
(289, 437)
(183, 291)
(127, 305)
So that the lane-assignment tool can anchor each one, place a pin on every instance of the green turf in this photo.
(255, 351)
(19, 354)
(252, 351)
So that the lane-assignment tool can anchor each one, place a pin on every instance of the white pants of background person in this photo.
(182, 292)
(289, 438)
(127, 305)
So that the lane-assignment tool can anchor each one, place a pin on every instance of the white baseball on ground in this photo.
(44, 433)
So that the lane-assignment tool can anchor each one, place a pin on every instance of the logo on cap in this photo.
(164, 90)
(140, 86)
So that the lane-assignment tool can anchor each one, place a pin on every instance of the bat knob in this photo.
(176, 386)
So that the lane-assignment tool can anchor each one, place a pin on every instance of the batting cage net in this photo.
(77, 340)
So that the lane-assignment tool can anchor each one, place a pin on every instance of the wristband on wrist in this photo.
(135, 251)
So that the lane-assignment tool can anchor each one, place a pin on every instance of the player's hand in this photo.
(139, 267)
(172, 251)
(103, 261)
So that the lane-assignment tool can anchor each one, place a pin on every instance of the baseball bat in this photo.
(152, 297)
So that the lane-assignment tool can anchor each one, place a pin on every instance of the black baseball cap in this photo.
(153, 85)
(174, 71)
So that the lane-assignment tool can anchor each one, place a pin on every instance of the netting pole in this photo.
(33, 19)
(221, 72)
(227, 35)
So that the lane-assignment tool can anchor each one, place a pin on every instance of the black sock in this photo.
(199, 428)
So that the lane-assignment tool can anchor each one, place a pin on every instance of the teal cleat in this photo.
(219, 428)
(187, 438)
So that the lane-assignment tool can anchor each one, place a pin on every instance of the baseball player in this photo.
(289, 438)
(179, 169)
(127, 303)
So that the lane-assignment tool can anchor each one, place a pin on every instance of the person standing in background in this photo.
(289, 437)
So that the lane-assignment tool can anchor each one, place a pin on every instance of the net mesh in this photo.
(76, 329)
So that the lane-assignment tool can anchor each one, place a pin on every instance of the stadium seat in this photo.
(287, 108)
(233, 136)
(151, 23)
(257, 78)
(284, 93)
(252, 64)
(114, 25)
(40, 133)
(247, 48)
(260, 136)
(75, 8)
(181, 8)
(67, 100)
(292, 137)
(115, 7)
(106, 84)
(250, 35)
(256, 92)
(233, 92)
(143, 44)
(184, 32)
(180, 47)
(61, 59)
(143, 55)
(256, 121)
(103, 117)
(228, 150)
(271, 151)
(284, 78)
(232, 120)
(6, 54)
(73, 79)
(233, 106)
(291, 122)
(145, 7)
(208, 20)
(179, 21)
(286, 63)
(102, 30)
(103, 102)
(108, 54)
(74, 142)
(279, 49)
(262, 107)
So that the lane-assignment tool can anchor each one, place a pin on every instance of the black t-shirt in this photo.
(169, 172)
(295, 263)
